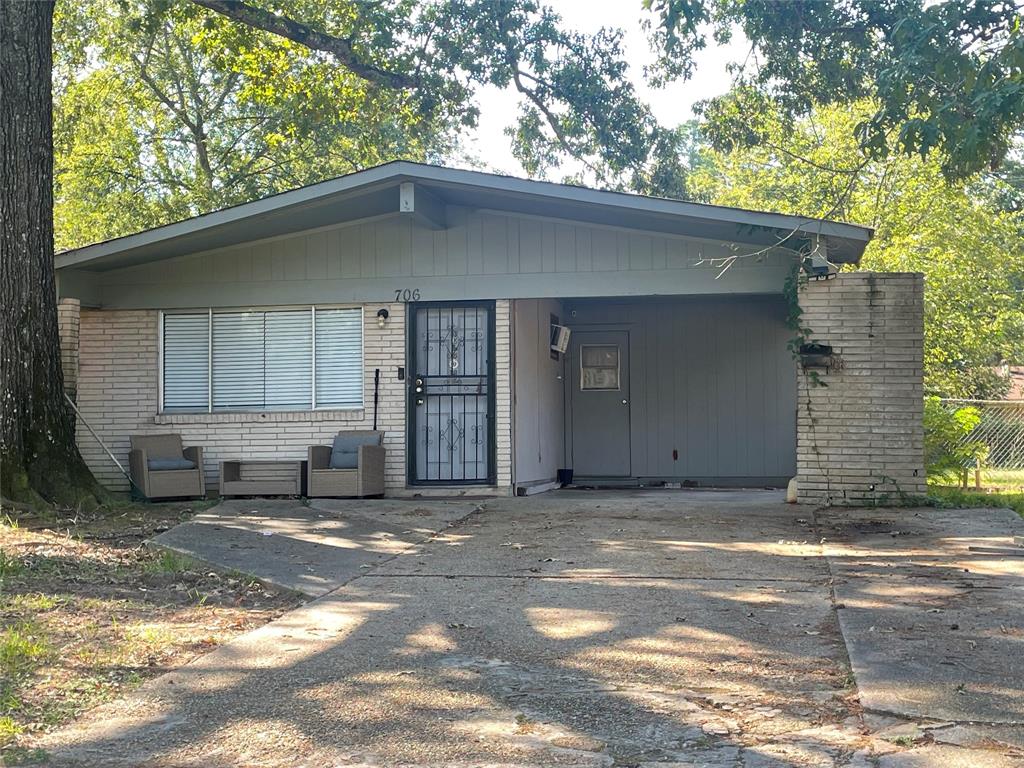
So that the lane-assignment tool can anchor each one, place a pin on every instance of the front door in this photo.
(451, 393)
(599, 396)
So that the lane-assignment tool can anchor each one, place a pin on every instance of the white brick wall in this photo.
(860, 438)
(118, 396)
(503, 392)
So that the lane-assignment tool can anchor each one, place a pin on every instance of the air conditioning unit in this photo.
(559, 338)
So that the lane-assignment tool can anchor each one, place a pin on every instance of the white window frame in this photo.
(211, 311)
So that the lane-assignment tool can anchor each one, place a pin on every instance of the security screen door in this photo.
(451, 393)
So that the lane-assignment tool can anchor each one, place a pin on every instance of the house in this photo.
(426, 300)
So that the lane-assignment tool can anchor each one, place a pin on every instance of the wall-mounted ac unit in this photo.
(559, 338)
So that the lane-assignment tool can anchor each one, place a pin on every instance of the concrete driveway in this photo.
(598, 629)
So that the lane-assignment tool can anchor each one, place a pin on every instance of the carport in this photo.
(695, 390)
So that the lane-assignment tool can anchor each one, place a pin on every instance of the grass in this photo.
(22, 651)
(119, 613)
(9, 565)
(1009, 479)
(168, 561)
(947, 496)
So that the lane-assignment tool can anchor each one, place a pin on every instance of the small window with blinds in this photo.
(266, 360)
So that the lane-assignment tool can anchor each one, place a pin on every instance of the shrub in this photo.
(948, 449)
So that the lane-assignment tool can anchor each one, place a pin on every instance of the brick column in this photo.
(503, 393)
(68, 323)
(860, 437)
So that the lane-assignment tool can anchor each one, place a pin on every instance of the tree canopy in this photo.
(168, 109)
(945, 75)
(969, 248)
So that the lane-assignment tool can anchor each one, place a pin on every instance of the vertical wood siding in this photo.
(539, 397)
(711, 379)
(482, 254)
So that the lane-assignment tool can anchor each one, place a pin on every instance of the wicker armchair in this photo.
(161, 468)
(366, 478)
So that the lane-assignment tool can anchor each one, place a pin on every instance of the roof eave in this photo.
(364, 182)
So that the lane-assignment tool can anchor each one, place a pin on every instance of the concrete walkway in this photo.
(310, 549)
(603, 629)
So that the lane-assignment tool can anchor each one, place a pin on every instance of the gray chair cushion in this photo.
(161, 464)
(345, 452)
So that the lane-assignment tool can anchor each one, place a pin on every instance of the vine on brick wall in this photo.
(795, 280)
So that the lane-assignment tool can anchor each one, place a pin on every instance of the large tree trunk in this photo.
(38, 456)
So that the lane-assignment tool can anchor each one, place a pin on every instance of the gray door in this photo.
(599, 396)
(452, 393)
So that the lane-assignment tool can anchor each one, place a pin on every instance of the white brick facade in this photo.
(860, 438)
(503, 392)
(118, 395)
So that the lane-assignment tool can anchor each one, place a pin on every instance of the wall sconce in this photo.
(382, 317)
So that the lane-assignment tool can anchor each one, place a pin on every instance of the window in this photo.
(272, 360)
(599, 366)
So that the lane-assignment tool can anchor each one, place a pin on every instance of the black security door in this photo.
(451, 393)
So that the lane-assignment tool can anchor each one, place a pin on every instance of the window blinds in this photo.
(186, 380)
(263, 360)
(339, 358)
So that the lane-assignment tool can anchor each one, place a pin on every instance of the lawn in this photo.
(1000, 488)
(87, 613)
(960, 497)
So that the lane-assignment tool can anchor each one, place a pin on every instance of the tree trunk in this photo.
(38, 456)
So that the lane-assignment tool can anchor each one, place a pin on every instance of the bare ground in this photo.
(87, 613)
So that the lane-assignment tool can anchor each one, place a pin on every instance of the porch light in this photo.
(382, 318)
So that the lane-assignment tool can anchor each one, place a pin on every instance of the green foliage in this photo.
(21, 651)
(169, 562)
(165, 110)
(947, 450)
(945, 76)
(970, 250)
(944, 496)
(176, 113)
(9, 566)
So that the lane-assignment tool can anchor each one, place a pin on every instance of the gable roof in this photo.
(375, 192)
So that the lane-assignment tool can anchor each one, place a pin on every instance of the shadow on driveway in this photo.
(597, 629)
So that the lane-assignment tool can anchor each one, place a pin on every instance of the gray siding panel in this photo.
(483, 254)
(711, 379)
(538, 393)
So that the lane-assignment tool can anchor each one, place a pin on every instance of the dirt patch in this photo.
(87, 613)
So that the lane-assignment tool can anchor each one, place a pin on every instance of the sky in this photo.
(671, 105)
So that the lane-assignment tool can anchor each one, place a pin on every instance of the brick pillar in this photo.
(68, 323)
(860, 439)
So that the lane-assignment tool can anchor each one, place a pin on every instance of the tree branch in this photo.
(341, 49)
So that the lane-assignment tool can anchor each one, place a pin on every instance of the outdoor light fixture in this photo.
(382, 317)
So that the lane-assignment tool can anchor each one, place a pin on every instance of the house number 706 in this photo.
(407, 294)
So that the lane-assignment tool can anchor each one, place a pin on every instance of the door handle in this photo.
(625, 402)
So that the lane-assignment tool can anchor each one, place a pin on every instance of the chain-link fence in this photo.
(981, 436)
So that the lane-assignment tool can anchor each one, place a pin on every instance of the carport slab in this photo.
(931, 604)
(308, 549)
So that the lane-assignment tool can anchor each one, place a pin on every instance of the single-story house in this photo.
(499, 330)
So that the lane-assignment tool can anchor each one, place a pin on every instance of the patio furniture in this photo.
(161, 469)
(241, 477)
(353, 466)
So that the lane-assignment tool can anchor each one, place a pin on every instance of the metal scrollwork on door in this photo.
(452, 434)
(452, 412)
